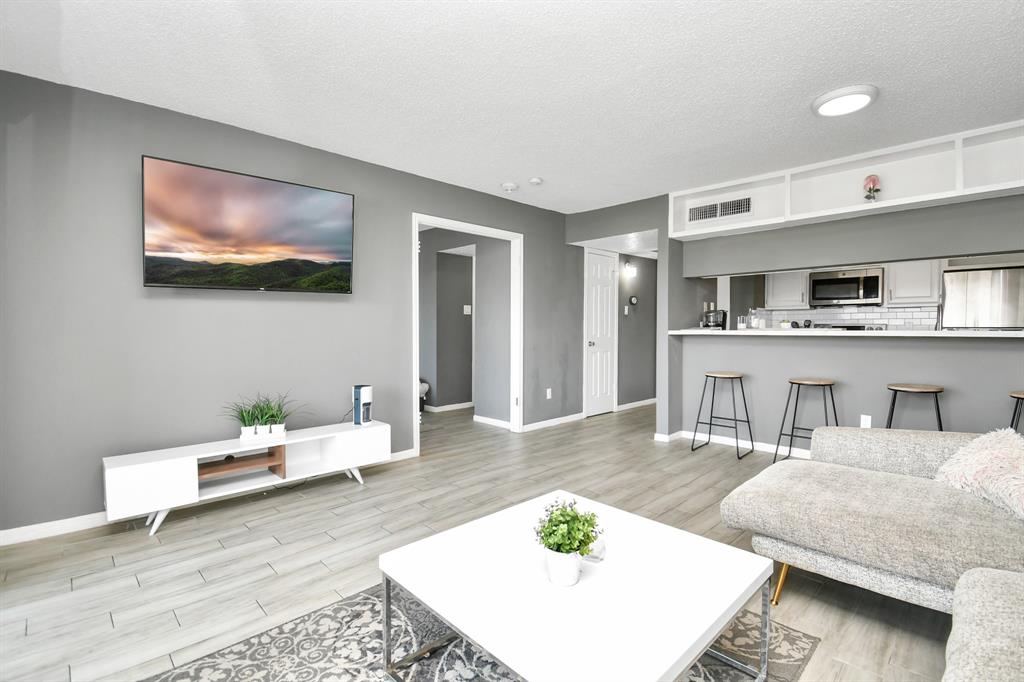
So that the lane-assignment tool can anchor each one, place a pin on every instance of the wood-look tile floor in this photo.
(114, 603)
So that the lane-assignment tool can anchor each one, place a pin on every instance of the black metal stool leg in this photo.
(892, 408)
(746, 415)
(835, 415)
(782, 426)
(735, 417)
(938, 415)
(824, 402)
(700, 408)
(792, 426)
(1018, 409)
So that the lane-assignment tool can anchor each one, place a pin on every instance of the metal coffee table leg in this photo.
(762, 674)
(391, 670)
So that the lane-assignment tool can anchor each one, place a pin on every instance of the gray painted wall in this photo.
(745, 292)
(635, 216)
(977, 374)
(493, 317)
(977, 227)
(637, 331)
(454, 329)
(93, 364)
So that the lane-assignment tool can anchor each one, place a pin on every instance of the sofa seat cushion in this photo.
(903, 524)
(988, 628)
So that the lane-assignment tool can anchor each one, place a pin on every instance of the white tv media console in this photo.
(152, 483)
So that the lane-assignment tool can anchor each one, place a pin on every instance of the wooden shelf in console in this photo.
(272, 459)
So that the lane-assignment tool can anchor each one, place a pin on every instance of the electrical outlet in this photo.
(625, 310)
(549, 394)
(865, 421)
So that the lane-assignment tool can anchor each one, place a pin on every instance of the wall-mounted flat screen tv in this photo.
(217, 229)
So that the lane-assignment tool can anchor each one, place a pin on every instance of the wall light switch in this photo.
(865, 421)
(549, 394)
(625, 310)
(467, 310)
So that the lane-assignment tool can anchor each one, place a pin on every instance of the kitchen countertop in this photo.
(820, 331)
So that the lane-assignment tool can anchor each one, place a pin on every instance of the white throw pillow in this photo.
(992, 467)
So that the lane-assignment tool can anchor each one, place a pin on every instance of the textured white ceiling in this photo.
(607, 101)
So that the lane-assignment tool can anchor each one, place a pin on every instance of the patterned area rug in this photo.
(342, 643)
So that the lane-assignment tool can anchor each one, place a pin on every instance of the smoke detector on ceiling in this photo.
(509, 187)
(536, 181)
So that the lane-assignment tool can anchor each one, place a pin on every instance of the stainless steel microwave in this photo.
(847, 287)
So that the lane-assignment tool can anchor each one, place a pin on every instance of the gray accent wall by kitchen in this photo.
(94, 364)
(492, 315)
(977, 374)
(637, 330)
(454, 329)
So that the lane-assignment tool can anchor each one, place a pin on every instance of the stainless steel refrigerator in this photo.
(983, 299)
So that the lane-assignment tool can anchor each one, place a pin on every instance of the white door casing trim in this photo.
(516, 247)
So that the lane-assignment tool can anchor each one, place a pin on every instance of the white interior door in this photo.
(600, 299)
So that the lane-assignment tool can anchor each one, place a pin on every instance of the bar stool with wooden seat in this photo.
(925, 389)
(732, 378)
(1018, 408)
(826, 388)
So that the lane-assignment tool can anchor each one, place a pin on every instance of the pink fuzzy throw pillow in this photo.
(992, 467)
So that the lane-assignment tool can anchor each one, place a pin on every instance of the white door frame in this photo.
(587, 250)
(515, 239)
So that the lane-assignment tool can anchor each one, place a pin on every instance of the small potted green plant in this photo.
(567, 534)
(261, 417)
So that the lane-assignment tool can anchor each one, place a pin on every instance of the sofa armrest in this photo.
(895, 451)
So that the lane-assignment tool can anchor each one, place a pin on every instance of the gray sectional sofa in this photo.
(865, 510)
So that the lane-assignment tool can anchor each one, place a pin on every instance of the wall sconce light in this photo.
(630, 270)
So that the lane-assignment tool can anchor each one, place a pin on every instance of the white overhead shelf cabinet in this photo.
(967, 166)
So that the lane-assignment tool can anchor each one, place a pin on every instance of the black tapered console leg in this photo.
(892, 408)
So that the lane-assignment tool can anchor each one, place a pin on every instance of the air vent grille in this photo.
(734, 207)
(703, 212)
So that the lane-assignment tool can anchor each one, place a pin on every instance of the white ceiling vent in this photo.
(703, 212)
(720, 210)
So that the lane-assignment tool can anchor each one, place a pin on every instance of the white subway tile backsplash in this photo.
(913, 317)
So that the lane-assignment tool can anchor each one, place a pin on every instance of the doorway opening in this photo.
(477, 272)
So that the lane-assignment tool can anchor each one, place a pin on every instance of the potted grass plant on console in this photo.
(567, 534)
(262, 417)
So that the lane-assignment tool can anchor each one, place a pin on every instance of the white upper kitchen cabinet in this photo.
(913, 283)
(786, 290)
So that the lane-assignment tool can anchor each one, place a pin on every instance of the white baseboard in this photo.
(48, 529)
(638, 403)
(721, 439)
(447, 408)
(533, 426)
(668, 437)
(492, 422)
(402, 454)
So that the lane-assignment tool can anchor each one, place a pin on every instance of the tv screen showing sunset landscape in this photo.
(221, 230)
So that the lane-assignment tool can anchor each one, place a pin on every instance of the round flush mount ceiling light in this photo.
(509, 187)
(536, 181)
(845, 100)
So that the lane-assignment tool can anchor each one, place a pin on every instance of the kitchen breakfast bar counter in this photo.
(977, 368)
(846, 333)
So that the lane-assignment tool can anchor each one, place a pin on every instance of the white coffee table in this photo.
(648, 611)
